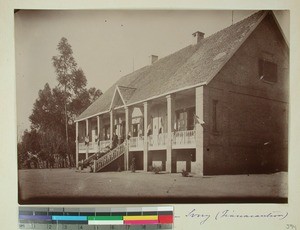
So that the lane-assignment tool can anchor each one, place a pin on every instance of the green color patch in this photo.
(105, 217)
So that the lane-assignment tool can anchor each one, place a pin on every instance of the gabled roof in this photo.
(191, 66)
(126, 92)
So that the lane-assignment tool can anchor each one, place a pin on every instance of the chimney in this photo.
(199, 36)
(153, 58)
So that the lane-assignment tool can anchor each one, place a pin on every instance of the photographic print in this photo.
(143, 106)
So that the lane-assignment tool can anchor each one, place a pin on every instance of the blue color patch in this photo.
(70, 218)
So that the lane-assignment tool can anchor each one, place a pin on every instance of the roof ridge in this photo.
(199, 62)
(235, 24)
(126, 87)
(220, 32)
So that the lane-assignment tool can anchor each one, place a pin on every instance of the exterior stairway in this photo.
(109, 157)
(86, 162)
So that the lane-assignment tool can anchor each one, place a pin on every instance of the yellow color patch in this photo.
(140, 217)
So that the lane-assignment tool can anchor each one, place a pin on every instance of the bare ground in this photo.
(67, 183)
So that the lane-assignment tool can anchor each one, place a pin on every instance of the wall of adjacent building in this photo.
(251, 114)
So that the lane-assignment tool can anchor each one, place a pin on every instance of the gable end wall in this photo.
(252, 115)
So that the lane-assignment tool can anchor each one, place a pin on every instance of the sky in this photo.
(106, 44)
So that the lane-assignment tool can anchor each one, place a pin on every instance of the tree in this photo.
(71, 78)
(55, 110)
(47, 112)
(28, 148)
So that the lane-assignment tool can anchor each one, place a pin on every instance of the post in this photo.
(111, 124)
(94, 166)
(170, 111)
(197, 166)
(145, 136)
(87, 135)
(77, 144)
(126, 163)
(98, 134)
(98, 125)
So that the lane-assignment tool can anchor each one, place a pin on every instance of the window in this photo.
(185, 119)
(214, 116)
(191, 118)
(267, 70)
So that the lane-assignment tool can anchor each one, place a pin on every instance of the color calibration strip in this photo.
(134, 216)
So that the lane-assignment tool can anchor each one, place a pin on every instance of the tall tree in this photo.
(72, 81)
(55, 110)
(71, 78)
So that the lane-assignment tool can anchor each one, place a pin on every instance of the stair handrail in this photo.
(86, 161)
(109, 157)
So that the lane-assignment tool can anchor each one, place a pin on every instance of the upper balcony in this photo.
(180, 140)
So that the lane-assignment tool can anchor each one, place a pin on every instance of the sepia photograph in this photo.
(152, 106)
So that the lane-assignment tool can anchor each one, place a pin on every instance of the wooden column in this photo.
(86, 134)
(126, 163)
(170, 116)
(98, 125)
(98, 133)
(111, 124)
(145, 136)
(77, 144)
(197, 166)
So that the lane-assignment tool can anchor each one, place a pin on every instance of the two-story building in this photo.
(219, 106)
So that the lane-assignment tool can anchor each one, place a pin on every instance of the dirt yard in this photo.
(69, 186)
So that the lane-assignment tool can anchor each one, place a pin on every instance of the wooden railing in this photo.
(93, 147)
(105, 144)
(109, 157)
(159, 140)
(87, 161)
(184, 138)
(136, 142)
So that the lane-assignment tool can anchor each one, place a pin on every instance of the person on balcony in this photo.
(149, 130)
(98, 142)
(128, 136)
(114, 141)
(86, 142)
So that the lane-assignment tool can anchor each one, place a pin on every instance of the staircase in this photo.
(86, 162)
(109, 157)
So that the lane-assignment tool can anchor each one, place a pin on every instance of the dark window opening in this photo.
(106, 132)
(267, 70)
(185, 119)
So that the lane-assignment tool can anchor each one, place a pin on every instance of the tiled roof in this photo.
(192, 65)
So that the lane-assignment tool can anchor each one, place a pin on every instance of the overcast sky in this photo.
(106, 44)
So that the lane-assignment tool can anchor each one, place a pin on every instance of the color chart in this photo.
(41, 218)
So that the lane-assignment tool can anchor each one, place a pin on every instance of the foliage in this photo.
(54, 111)
(184, 173)
(155, 169)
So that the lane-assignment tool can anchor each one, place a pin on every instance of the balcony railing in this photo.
(184, 138)
(105, 144)
(136, 143)
(180, 139)
(92, 147)
(158, 141)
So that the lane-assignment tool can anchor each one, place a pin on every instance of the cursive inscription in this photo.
(202, 217)
(232, 214)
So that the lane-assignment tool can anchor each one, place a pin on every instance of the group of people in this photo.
(115, 141)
